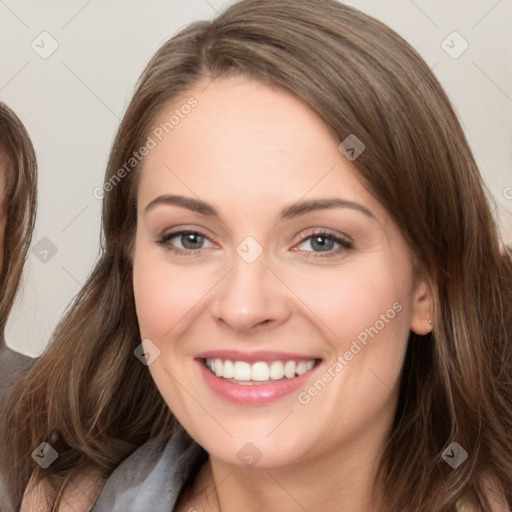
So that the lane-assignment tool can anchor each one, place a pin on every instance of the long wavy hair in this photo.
(93, 398)
(18, 167)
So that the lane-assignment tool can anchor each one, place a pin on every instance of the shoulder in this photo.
(12, 365)
(11, 362)
(80, 494)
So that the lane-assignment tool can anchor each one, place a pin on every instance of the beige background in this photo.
(71, 102)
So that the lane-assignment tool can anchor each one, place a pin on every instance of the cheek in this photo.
(352, 301)
(366, 310)
(164, 294)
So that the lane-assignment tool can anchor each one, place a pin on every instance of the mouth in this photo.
(259, 372)
(256, 378)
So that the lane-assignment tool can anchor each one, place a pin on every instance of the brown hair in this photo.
(19, 169)
(361, 78)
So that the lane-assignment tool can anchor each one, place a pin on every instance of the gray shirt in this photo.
(151, 478)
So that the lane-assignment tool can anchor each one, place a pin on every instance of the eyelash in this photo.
(345, 243)
(165, 241)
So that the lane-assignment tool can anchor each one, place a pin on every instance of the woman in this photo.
(18, 199)
(345, 347)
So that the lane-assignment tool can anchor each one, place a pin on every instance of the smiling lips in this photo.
(255, 378)
(242, 372)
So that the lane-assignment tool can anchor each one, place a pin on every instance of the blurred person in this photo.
(18, 202)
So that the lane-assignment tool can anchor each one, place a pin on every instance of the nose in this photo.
(250, 298)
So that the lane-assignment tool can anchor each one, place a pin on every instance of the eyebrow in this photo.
(288, 212)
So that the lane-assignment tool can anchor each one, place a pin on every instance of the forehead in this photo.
(246, 141)
(246, 118)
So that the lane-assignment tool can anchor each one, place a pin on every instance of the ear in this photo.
(422, 307)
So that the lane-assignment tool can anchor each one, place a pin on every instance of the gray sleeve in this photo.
(12, 365)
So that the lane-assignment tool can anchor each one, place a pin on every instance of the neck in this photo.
(340, 479)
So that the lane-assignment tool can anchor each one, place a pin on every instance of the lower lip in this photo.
(253, 394)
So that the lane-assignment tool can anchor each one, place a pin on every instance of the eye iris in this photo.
(192, 240)
(322, 243)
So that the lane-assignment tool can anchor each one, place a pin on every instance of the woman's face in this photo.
(291, 263)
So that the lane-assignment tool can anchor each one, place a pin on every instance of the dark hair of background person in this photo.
(19, 172)
(93, 396)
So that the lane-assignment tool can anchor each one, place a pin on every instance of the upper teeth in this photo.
(260, 371)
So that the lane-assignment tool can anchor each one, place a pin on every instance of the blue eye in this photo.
(325, 243)
(320, 244)
(187, 240)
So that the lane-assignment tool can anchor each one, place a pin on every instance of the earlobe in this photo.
(422, 309)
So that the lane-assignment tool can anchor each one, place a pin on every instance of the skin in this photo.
(249, 151)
